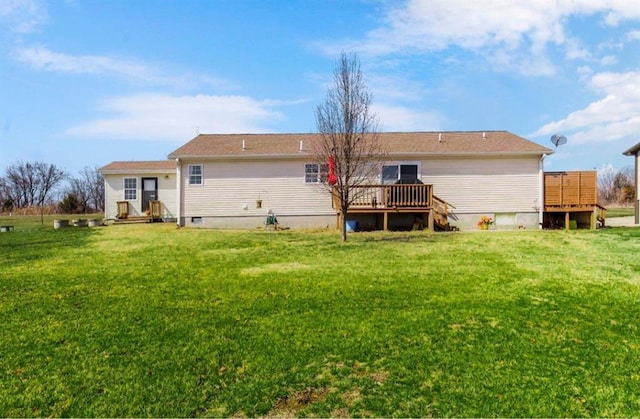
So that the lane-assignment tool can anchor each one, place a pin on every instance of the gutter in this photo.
(412, 154)
(178, 192)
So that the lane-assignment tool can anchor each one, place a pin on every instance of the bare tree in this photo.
(87, 190)
(94, 181)
(615, 186)
(31, 184)
(348, 146)
(6, 200)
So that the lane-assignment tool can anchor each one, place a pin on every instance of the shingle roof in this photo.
(140, 166)
(428, 143)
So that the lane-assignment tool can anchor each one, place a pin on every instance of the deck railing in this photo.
(441, 211)
(390, 196)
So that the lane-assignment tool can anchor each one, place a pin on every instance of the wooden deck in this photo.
(385, 200)
(154, 213)
(571, 200)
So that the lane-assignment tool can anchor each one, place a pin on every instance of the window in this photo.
(195, 174)
(395, 172)
(389, 174)
(130, 188)
(314, 172)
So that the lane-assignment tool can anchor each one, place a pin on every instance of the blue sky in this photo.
(86, 82)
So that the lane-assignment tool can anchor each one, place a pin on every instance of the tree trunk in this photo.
(343, 225)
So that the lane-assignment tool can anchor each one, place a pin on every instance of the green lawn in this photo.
(620, 212)
(150, 320)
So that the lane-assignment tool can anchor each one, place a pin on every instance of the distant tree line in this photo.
(616, 186)
(35, 186)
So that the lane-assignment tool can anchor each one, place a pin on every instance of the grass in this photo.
(150, 320)
(620, 212)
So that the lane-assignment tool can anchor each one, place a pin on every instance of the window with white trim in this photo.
(130, 188)
(195, 174)
(393, 173)
(314, 172)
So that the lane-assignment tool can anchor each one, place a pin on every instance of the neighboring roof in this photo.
(633, 150)
(400, 143)
(161, 166)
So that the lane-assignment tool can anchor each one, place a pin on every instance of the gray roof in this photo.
(398, 143)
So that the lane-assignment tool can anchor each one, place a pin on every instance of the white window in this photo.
(195, 174)
(314, 172)
(130, 188)
(402, 171)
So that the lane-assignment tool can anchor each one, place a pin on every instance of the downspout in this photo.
(636, 217)
(541, 192)
(178, 192)
(106, 199)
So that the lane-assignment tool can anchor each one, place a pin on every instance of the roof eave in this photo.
(395, 153)
(474, 153)
(136, 171)
(240, 156)
(632, 151)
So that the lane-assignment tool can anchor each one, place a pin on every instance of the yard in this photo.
(150, 320)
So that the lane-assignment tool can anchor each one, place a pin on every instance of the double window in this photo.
(399, 172)
(315, 173)
(130, 188)
(195, 174)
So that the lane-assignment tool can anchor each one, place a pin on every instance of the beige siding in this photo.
(167, 195)
(472, 185)
(231, 189)
(476, 185)
(114, 192)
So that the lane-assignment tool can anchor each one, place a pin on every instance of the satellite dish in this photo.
(558, 139)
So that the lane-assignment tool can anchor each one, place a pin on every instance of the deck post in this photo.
(385, 221)
(593, 219)
(430, 220)
(566, 220)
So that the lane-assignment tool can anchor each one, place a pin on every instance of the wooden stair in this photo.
(441, 215)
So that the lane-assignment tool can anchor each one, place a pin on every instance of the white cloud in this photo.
(174, 118)
(614, 117)
(633, 35)
(22, 16)
(584, 70)
(400, 118)
(42, 58)
(511, 34)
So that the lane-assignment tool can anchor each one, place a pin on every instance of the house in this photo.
(635, 152)
(237, 180)
(131, 187)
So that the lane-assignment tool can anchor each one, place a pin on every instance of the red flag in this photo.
(332, 178)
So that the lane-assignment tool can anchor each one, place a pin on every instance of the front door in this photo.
(149, 191)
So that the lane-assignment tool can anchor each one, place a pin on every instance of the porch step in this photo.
(133, 220)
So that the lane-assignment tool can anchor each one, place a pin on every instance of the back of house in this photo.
(238, 180)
